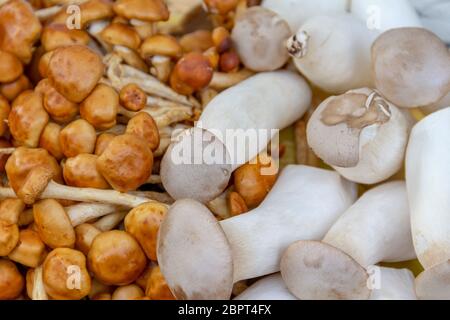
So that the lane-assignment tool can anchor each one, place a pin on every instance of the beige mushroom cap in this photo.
(434, 283)
(146, 10)
(315, 270)
(191, 244)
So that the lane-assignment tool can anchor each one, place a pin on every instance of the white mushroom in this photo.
(234, 128)
(393, 284)
(428, 182)
(383, 15)
(375, 229)
(333, 52)
(201, 258)
(361, 135)
(296, 12)
(268, 288)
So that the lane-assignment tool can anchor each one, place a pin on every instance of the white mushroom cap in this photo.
(428, 185)
(315, 270)
(268, 288)
(376, 228)
(434, 283)
(194, 254)
(393, 284)
(361, 135)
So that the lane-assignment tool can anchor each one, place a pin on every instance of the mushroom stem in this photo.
(222, 80)
(268, 288)
(83, 212)
(164, 116)
(46, 13)
(110, 221)
(38, 292)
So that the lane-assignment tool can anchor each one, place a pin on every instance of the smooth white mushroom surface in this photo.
(268, 288)
(392, 284)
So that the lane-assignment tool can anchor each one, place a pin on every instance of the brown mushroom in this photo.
(4, 157)
(53, 224)
(92, 10)
(27, 118)
(222, 39)
(10, 210)
(65, 275)
(143, 224)
(160, 45)
(143, 126)
(12, 89)
(197, 41)
(19, 29)
(4, 113)
(128, 292)
(102, 142)
(77, 137)
(145, 10)
(50, 140)
(100, 107)
(81, 171)
(113, 266)
(74, 71)
(121, 34)
(43, 63)
(9, 237)
(11, 281)
(221, 7)
(85, 234)
(30, 250)
(132, 97)
(157, 288)
(57, 35)
(126, 163)
(10, 67)
(58, 107)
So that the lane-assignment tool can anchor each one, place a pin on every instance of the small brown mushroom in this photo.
(11, 90)
(5, 109)
(57, 35)
(10, 210)
(145, 10)
(11, 281)
(128, 292)
(58, 107)
(10, 67)
(65, 275)
(43, 64)
(143, 126)
(132, 97)
(100, 107)
(81, 171)
(19, 29)
(113, 266)
(85, 235)
(53, 224)
(143, 224)
(77, 137)
(75, 81)
(50, 140)
(9, 237)
(27, 118)
(121, 34)
(92, 10)
(126, 163)
(102, 142)
(221, 7)
(30, 250)
(160, 45)
(197, 41)
(157, 288)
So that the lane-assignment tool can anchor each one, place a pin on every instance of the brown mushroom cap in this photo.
(157, 288)
(44, 62)
(24, 160)
(27, 118)
(81, 171)
(65, 275)
(315, 270)
(183, 176)
(50, 140)
(10, 67)
(19, 29)
(58, 107)
(126, 163)
(53, 224)
(77, 137)
(221, 6)
(30, 249)
(85, 234)
(11, 281)
(5, 109)
(57, 35)
(102, 143)
(100, 107)
(74, 71)
(194, 254)
(132, 97)
(92, 10)
(143, 223)
(121, 34)
(162, 45)
(116, 258)
(143, 126)
(146, 10)
(12, 89)
(433, 283)
(128, 292)
(9, 237)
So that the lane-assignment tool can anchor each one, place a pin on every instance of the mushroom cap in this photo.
(126, 163)
(58, 107)
(132, 97)
(19, 29)
(100, 107)
(57, 35)
(30, 249)
(434, 283)
(77, 137)
(156, 286)
(313, 270)
(11, 90)
(260, 36)
(411, 67)
(81, 171)
(194, 254)
(9, 237)
(160, 45)
(121, 34)
(146, 10)
(144, 126)
(92, 10)
(11, 281)
(268, 288)
(10, 67)
(75, 80)
(49, 140)
(185, 176)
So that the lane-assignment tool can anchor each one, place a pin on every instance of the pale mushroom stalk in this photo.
(248, 245)
(222, 80)
(232, 130)
(38, 292)
(46, 13)
(352, 131)
(162, 66)
(110, 221)
(268, 288)
(375, 229)
(329, 39)
(130, 57)
(163, 116)
(58, 191)
(83, 212)
(392, 284)
(428, 183)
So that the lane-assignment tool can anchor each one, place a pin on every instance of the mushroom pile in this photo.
(120, 181)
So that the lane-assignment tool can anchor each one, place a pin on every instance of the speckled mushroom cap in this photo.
(315, 270)
(191, 244)
(145, 10)
(74, 71)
